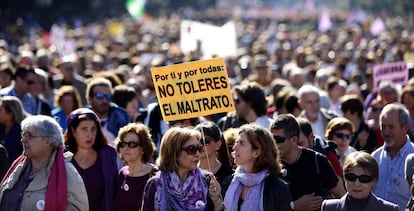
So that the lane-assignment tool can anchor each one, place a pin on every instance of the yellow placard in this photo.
(192, 89)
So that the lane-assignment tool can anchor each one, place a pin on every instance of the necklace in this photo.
(127, 174)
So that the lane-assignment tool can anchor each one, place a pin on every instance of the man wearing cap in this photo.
(261, 71)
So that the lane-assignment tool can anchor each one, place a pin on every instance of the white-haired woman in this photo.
(42, 178)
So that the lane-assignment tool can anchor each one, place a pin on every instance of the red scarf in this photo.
(57, 189)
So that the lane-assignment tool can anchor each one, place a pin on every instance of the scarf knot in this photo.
(254, 197)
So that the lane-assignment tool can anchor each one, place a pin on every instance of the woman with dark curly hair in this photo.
(135, 146)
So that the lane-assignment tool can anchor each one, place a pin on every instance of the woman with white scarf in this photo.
(256, 184)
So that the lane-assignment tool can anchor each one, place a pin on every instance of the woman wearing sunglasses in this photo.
(94, 158)
(340, 130)
(256, 185)
(361, 175)
(215, 156)
(181, 184)
(136, 148)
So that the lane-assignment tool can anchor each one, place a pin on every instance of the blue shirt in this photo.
(28, 101)
(391, 184)
(60, 116)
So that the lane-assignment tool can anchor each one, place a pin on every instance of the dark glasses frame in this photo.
(362, 178)
(342, 136)
(131, 144)
(30, 82)
(192, 149)
(281, 139)
(101, 96)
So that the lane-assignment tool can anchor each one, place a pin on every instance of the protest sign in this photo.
(396, 72)
(214, 40)
(192, 89)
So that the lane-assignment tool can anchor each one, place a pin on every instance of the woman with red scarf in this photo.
(42, 178)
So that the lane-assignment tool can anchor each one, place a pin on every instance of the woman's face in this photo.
(67, 103)
(375, 111)
(244, 155)
(210, 148)
(85, 134)
(34, 144)
(342, 138)
(5, 116)
(408, 101)
(131, 153)
(190, 155)
(356, 188)
(131, 107)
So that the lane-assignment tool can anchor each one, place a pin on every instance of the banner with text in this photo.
(396, 72)
(192, 89)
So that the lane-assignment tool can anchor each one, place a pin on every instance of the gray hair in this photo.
(307, 89)
(403, 113)
(45, 126)
(387, 85)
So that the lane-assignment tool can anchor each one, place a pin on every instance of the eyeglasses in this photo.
(343, 136)
(101, 96)
(362, 178)
(29, 136)
(131, 144)
(206, 141)
(193, 149)
(30, 82)
(281, 139)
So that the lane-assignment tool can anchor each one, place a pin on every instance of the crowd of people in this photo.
(309, 130)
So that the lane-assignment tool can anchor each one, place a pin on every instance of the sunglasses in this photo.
(193, 149)
(362, 178)
(101, 96)
(131, 144)
(30, 82)
(343, 136)
(281, 139)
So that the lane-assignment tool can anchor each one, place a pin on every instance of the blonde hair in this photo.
(338, 123)
(171, 146)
